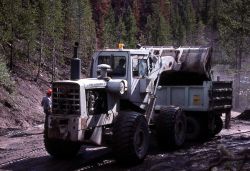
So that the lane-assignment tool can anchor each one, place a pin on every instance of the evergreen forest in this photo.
(43, 32)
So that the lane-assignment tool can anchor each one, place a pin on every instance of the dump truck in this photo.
(132, 94)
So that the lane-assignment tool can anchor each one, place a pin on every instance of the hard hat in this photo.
(49, 92)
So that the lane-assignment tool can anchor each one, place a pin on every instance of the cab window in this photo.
(117, 64)
(139, 67)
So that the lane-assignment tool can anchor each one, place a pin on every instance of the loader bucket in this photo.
(196, 60)
(195, 67)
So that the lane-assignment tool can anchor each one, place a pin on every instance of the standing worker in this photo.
(47, 103)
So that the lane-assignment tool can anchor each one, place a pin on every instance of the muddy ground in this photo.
(24, 150)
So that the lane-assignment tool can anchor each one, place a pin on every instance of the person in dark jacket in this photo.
(47, 102)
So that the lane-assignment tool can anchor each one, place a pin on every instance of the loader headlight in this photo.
(117, 86)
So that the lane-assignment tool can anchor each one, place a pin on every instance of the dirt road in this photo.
(24, 150)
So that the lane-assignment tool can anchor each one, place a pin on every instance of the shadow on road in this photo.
(192, 156)
(84, 161)
(89, 158)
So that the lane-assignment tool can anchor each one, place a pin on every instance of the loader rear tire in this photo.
(171, 127)
(130, 138)
(59, 148)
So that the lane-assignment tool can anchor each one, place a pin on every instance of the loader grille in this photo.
(66, 99)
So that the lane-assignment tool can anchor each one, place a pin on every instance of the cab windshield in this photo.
(117, 63)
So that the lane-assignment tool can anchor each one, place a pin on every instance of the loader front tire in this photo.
(130, 138)
(171, 127)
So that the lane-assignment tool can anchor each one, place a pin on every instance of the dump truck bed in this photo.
(211, 96)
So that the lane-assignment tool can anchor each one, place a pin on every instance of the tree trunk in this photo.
(11, 56)
(28, 51)
(11, 48)
(53, 61)
(12, 39)
(238, 73)
(40, 56)
(237, 90)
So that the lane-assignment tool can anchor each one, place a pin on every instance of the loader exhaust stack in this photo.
(75, 70)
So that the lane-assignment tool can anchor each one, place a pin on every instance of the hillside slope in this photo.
(20, 107)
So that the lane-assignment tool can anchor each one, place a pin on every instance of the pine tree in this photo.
(70, 30)
(121, 31)
(199, 34)
(87, 33)
(42, 24)
(148, 33)
(189, 21)
(10, 11)
(29, 28)
(213, 14)
(234, 31)
(157, 28)
(131, 29)
(109, 37)
(55, 32)
(176, 26)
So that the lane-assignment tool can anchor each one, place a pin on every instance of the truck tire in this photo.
(59, 148)
(218, 124)
(130, 138)
(193, 128)
(216, 127)
(211, 127)
(171, 127)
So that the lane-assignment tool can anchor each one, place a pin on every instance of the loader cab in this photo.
(117, 60)
(124, 64)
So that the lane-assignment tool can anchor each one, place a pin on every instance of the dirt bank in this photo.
(20, 107)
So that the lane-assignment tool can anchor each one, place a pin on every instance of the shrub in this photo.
(5, 80)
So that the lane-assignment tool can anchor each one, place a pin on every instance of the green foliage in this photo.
(121, 32)
(44, 29)
(234, 27)
(5, 80)
(176, 27)
(190, 23)
(213, 14)
(87, 31)
(109, 38)
(57, 20)
(8, 19)
(131, 29)
(187, 28)
(157, 29)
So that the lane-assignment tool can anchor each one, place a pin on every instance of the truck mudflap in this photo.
(221, 96)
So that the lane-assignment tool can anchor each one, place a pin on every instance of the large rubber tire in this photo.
(217, 126)
(193, 128)
(130, 138)
(171, 127)
(212, 125)
(59, 148)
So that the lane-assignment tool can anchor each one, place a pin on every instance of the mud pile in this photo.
(244, 115)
